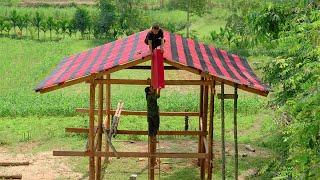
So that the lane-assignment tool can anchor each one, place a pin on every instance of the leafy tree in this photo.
(44, 27)
(63, 23)
(191, 7)
(107, 15)
(20, 23)
(14, 17)
(37, 21)
(51, 25)
(26, 19)
(82, 20)
(130, 16)
(70, 28)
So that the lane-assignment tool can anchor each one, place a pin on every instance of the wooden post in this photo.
(99, 139)
(152, 160)
(200, 118)
(108, 107)
(91, 132)
(235, 131)
(204, 129)
(223, 151)
(210, 142)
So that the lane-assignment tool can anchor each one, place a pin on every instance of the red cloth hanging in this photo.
(157, 69)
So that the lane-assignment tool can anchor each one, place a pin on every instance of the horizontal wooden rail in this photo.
(149, 67)
(227, 96)
(190, 133)
(25, 163)
(140, 113)
(18, 176)
(147, 82)
(131, 154)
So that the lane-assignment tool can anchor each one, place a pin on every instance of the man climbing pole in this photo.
(153, 110)
(155, 38)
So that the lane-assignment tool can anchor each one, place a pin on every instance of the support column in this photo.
(100, 121)
(200, 118)
(91, 132)
(204, 129)
(235, 131)
(108, 107)
(223, 151)
(211, 128)
(152, 160)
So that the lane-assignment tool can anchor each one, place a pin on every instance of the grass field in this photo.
(27, 117)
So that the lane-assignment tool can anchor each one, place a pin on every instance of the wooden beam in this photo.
(204, 129)
(228, 96)
(149, 67)
(91, 132)
(223, 151)
(147, 82)
(235, 133)
(100, 130)
(211, 128)
(17, 176)
(141, 113)
(24, 163)
(131, 154)
(190, 133)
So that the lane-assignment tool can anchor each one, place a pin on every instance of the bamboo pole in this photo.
(223, 151)
(235, 131)
(210, 142)
(204, 128)
(91, 133)
(100, 121)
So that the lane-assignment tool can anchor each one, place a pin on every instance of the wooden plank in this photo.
(131, 154)
(23, 163)
(141, 113)
(191, 133)
(99, 127)
(91, 132)
(152, 160)
(223, 151)
(108, 109)
(147, 82)
(205, 142)
(235, 133)
(211, 128)
(200, 118)
(204, 129)
(17, 176)
(228, 96)
(149, 67)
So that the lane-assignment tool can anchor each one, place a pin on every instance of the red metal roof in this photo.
(187, 52)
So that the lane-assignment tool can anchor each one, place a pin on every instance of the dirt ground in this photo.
(44, 165)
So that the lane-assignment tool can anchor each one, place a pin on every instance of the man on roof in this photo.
(154, 38)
